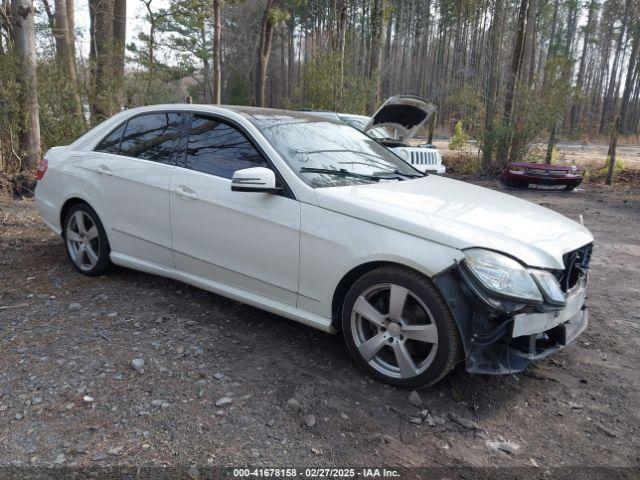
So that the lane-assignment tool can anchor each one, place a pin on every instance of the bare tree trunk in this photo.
(290, 56)
(492, 86)
(628, 84)
(50, 15)
(516, 62)
(217, 53)
(553, 45)
(524, 81)
(613, 144)
(375, 53)
(119, 43)
(552, 144)
(512, 81)
(342, 35)
(71, 25)
(22, 13)
(206, 73)
(609, 95)
(65, 55)
(528, 49)
(100, 56)
(264, 51)
(577, 103)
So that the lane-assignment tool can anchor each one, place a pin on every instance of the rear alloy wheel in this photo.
(399, 329)
(86, 241)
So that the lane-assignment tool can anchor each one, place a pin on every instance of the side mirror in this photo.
(257, 179)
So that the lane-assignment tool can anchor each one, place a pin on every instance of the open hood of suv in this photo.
(405, 114)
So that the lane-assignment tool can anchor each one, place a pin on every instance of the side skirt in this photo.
(240, 295)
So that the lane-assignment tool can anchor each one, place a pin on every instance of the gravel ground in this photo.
(132, 369)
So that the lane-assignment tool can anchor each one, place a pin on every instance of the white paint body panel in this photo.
(136, 196)
(460, 215)
(288, 255)
(248, 240)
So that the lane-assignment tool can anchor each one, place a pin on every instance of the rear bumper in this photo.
(498, 342)
(47, 203)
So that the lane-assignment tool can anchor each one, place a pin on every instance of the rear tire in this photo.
(399, 328)
(86, 241)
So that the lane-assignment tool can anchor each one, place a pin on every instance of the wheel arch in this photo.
(352, 276)
(69, 203)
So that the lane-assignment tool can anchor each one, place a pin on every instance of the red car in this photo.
(542, 176)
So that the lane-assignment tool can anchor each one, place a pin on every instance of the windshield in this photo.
(361, 123)
(357, 122)
(347, 156)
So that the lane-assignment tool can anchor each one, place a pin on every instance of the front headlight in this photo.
(550, 286)
(502, 275)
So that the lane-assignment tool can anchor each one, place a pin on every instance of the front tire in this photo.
(86, 241)
(399, 328)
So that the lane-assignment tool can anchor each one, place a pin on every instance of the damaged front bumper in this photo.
(497, 341)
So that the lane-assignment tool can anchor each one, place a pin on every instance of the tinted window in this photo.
(111, 144)
(152, 136)
(219, 149)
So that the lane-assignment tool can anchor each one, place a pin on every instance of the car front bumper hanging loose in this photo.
(499, 342)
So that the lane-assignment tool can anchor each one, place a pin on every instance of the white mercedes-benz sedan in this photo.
(313, 220)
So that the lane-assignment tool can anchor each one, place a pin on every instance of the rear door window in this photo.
(111, 143)
(152, 136)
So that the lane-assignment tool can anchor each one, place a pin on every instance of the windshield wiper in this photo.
(340, 173)
(395, 172)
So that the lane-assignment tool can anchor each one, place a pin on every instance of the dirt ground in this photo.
(69, 395)
(583, 154)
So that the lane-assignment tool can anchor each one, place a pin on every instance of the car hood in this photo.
(406, 114)
(461, 215)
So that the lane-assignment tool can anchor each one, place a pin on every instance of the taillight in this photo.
(42, 168)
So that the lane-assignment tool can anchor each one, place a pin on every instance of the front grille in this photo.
(424, 157)
(576, 264)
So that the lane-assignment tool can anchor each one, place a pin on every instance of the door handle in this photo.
(186, 192)
(104, 170)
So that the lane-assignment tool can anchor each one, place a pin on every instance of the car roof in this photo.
(249, 112)
(256, 115)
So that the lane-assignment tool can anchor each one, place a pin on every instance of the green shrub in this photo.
(459, 138)
(617, 168)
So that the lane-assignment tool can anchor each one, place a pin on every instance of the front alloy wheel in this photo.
(399, 328)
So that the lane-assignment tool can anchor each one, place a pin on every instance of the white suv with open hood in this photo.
(399, 121)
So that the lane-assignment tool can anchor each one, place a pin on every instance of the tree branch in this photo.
(50, 16)
(5, 20)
